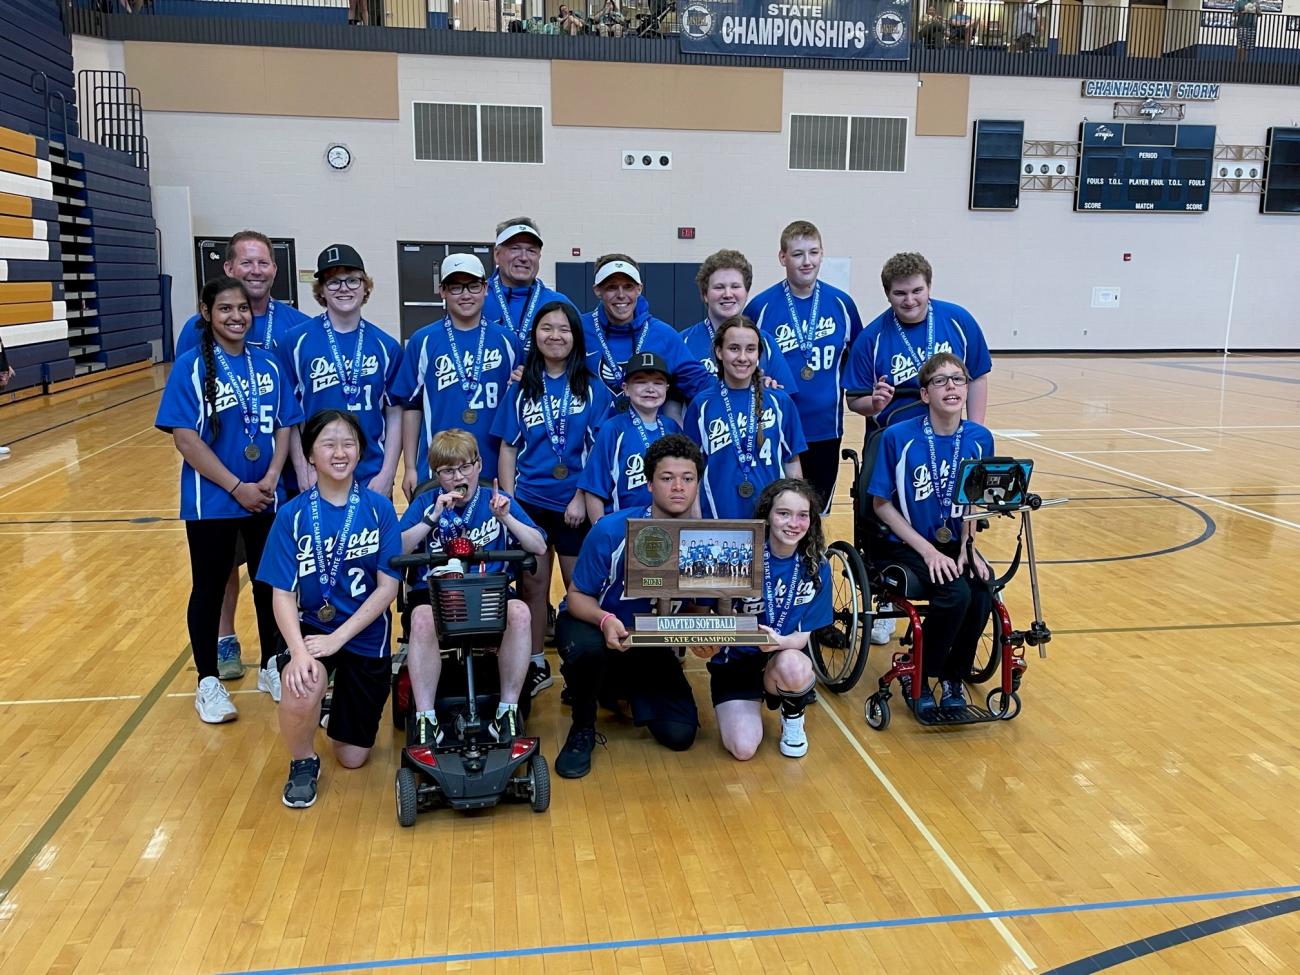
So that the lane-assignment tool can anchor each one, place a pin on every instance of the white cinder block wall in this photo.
(1028, 275)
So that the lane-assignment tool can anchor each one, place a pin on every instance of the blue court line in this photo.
(1177, 936)
(1230, 372)
(688, 939)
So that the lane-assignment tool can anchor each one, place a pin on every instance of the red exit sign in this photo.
(685, 233)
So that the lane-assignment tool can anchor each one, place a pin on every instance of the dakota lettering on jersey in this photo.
(862, 29)
(324, 375)
(360, 544)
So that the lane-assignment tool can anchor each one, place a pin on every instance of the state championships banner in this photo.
(867, 29)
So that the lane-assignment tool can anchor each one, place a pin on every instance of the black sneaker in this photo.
(300, 790)
(507, 727)
(550, 623)
(424, 731)
(574, 760)
(539, 678)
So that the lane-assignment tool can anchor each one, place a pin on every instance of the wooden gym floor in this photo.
(1139, 816)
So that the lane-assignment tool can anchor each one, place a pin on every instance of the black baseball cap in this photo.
(338, 255)
(646, 362)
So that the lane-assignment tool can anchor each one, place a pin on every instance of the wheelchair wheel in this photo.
(539, 783)
(1003, 706)
(876, 711)
(988, 657)
(839, 651)
(406, 797)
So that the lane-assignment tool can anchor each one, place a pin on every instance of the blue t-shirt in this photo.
(310, 366)
(615, 471)
(279, 319)
(881, 352)
(479, 525)
(706, 423)
(520, 309)
(809, 601)
(522, 424)
(904, 472)
(838, 324)
(183, 405)
(427, 381)
(699, 343)
(601, 568)
(291, 562)
(644, 333)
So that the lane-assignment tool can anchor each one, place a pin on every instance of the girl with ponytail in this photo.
(750, 435)
(228, 411)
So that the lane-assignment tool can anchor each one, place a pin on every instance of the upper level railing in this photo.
(1055, 39)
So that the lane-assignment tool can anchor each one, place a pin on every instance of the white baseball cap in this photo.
(462, 264)
(618, 267)
(518, 228)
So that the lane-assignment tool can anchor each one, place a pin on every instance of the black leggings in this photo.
(212, 554)
(821, 465)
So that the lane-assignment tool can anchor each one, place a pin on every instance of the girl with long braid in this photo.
(229, 410)
(743, 454)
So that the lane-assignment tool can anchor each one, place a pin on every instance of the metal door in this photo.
(418, 262)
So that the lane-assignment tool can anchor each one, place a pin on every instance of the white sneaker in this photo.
(4, 451)
(268, 679)
(794, 743)
(213, 702)
(882, 630)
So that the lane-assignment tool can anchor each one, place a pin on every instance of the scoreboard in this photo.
(1144, 166)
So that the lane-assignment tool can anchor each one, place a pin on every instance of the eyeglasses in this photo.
(474, 288)
(464, 470)
(351, 282)
(938, 382)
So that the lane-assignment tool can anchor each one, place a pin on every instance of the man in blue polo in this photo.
(515, 292)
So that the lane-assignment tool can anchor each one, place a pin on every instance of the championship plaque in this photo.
(684, 559)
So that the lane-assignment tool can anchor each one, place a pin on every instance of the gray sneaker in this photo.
(300, 790)
(229, 666)
(213, 703)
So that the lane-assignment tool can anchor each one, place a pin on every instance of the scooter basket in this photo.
(469, 608)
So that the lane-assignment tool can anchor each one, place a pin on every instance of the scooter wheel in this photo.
(1003, 705)
(877, 712)
(407, 797)
(539, 783)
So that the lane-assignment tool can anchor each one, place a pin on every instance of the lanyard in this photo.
(250, 400)
(469, 380)
(641, 429)
(918, 358)
(268, 340)
(746, 455)
(943, 487)
(776, 615)
(521, 327)
(453, 527)
(557, 428)
(804, 331)
(607, 354)
(350, 379)
(707, 362)
(328, 572)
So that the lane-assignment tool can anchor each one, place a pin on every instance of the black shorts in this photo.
(566, 540)
(361, 687)
(741, 679)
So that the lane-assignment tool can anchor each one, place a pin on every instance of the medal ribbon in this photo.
(349, 379)
(776, 615)
(944, 488)
(607, 354)
(805, 332)
(641, 430)
(919, 359)
(520, 328)
(557, 428)
(469, 380)
(327, 573)
(745, 456)
(250, 400)
(453, 527)
(268, 340)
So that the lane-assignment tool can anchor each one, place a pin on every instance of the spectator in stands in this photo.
(1247, 11)
(1024, 28)
(933, 30)
(358, 12)
(6, 374)
(961, 27)
(569, 22)
(610, 21)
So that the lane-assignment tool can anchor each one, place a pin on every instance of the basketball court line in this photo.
(82, 458)
(1144, 450)
(72, 700)
(1152, 436)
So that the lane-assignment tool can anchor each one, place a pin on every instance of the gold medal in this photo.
(806, 373)
(745, 489)
(560, 472)
(470, 417)
(325, 613)
(944, 535)
(252, 451)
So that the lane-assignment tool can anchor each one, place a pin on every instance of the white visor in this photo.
(618, 267)
(518, 228)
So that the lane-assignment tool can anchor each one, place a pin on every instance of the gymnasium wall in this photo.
(1028, 275)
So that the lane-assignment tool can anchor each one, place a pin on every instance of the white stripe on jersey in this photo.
(611, 575)
(902, 483)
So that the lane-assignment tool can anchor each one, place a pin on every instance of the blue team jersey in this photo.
(183, 405)
(904, 472)
(838, 324)
(880, 352)
(291, 562)
(706, 423)
(427, 381)
(809, 600)
(699, 343)
(309, 365)
(479, 525)
(267, 332)
(601, 568)
(644, 333)
(520, 308)
(615, 471)
(521, 424)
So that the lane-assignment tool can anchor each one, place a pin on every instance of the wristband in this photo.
(232, 491)
(601, 625)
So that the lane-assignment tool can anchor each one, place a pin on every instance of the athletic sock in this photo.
(538, 658)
